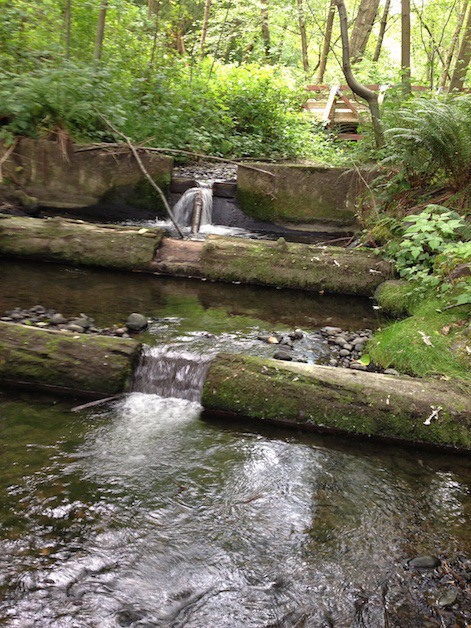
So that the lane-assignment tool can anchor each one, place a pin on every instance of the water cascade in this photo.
(195, 207)
(169, 373)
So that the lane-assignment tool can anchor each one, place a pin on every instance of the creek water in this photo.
(143, 513)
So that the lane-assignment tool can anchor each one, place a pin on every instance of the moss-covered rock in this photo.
(92, 366)
(79, 243)
(321, 397)
(292, 265)
(394, 298)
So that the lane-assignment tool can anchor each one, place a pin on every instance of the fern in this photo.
(434, 141)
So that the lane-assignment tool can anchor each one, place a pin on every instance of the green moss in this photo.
(286, 208)
(293, 266)
(337, 399)
(422, 345)
(395, 298)
(76, 362)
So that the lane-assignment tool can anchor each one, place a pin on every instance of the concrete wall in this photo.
(61, 177)
(301, 197)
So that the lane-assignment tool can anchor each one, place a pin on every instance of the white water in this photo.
(168, 373)
(183, 209)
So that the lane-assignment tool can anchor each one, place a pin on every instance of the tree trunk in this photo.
(453, 44)
(92, 366)
(302, 30)
(67, 15)
(382, 30)
(204, 28)
(405, 47)
(150, 8)
(100, 31)
(156, 33)
(362, 28)
(265, 28)
(327, 39)
(463, 59)
(357, 88)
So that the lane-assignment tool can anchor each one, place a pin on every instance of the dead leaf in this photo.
(426, 339)
(445, 330)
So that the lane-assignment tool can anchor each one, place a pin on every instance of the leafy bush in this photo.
(52, 98)
(429, 241)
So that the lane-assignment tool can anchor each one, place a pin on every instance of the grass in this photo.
(431, 342)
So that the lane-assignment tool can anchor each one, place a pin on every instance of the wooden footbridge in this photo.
(341, 111)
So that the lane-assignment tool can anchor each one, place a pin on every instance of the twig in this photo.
(178, 152)
(5, 157)
(146, 174)
(94, 403)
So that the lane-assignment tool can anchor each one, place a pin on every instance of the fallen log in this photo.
(65, 363)
(425, 412)
(79, 243)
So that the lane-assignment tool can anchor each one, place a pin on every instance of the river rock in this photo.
(283, 355)
(297, 334)
(83, 321)
(447, 597)
(424, 562)
(344, 352)
(391, 372)
(136, 322)
(73, 327)
(331, 330)
(58, 319)
(357, 366)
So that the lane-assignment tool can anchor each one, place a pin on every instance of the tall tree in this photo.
(454, 42)
(382, 30)
(265, 28)
(357, 88)
(463, 59)
(204, 28)
(67, 21)
(362, 28)
(326, 44)
(100, 31)
(405, 46)
(302, 30)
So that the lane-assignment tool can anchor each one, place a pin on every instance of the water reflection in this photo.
(141, 514)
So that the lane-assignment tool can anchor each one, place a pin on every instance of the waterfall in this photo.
(170, 373)
(195, 207)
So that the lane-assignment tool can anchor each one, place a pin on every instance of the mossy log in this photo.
(63, 362)
(292, 265)
(79, 243)
(433, 413)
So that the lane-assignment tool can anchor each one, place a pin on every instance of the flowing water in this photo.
(184, 209)
(140, 513)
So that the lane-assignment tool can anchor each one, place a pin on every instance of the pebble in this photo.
(447, 597)
(136, 322)
(390, 372)
(424, 562)
(39, 316)
(283, 355)
(357, 366)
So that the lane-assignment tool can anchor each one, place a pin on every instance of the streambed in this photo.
(139, 513)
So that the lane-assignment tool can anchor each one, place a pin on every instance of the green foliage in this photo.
(433, 143)
(51, 99)
(428, 251)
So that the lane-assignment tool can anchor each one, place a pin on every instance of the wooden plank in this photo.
(326, 118)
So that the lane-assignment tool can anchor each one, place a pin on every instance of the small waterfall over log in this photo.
(167, 372)
(195, 207)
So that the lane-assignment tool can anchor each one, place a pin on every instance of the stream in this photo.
(144, 513)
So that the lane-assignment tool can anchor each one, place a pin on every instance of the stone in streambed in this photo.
(136, 322)
(283, 355)
(424, 562)
(58, 319)
(447, 597)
